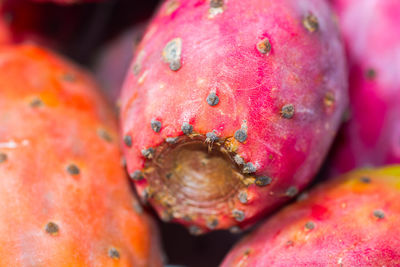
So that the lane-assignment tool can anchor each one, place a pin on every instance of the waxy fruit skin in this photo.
(350, 221)
(65, 197)
(229, 107)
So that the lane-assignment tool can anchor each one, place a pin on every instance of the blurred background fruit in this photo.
(66, 198)
(371, 133)
(113, 60)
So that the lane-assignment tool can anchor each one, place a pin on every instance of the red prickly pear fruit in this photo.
(114, 60)
(67, 199)
(229, 107)
(371, 137)
(349, 221)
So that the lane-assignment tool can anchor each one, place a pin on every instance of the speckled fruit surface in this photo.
(65, 198)
(229, 107)
(351, 221)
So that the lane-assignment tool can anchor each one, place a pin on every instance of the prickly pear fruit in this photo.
(66, 200)
(229, 107)
(351, 221)
(114, 60)
(371, 137)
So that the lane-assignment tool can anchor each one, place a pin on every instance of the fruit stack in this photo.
(146, 133)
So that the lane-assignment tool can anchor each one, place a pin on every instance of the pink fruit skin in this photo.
(305, 68)
(371, 137)
(114, 60)
(350, 221)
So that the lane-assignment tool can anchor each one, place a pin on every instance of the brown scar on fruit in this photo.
(177, 171)
(3, 157)
(103, 134)
(264, 46)
(113, 253)
(216, 7)
(52, 228)
(310, 22)
(287, 111)
(172, 54)
(72, 169)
